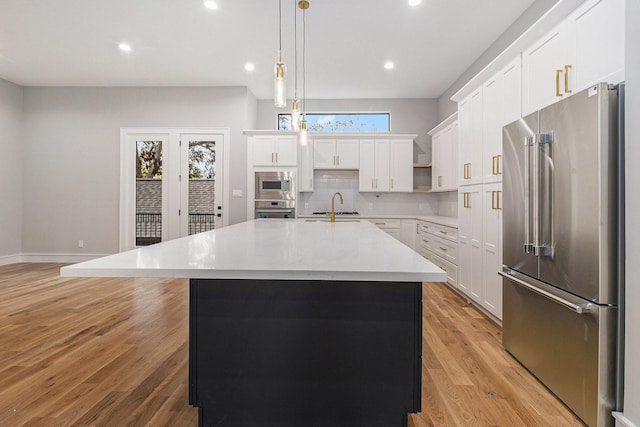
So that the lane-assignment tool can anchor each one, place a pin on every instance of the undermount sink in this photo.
(328, 220)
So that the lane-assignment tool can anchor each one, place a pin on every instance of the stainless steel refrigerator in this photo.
(561, 236)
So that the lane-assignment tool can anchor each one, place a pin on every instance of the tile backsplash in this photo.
(326, 183)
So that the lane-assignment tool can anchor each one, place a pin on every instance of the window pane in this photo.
(349, 122)
(148, 192)
(202, 183)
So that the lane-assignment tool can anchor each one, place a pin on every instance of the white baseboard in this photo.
(10, 259)
(55, 258)
(622, 421)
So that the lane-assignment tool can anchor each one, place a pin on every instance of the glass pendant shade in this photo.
(304, 135)
(280, 98)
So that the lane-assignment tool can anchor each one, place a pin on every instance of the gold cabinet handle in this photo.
(443, 232)
(558, 72)
(439, 180)
(566, 79)
(499, 201)
(493, 200)
(392, 183)
(443, 249)
(498, 157)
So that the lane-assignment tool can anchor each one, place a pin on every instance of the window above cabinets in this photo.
(340, 122)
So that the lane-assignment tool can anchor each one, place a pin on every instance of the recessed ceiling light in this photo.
(209, 4)
(414, 2)
(125, 47)
(389, 65)
(249, 66)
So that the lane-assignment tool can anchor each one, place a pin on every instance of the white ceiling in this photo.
(180, 43)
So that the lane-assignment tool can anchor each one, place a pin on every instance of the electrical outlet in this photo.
(81, 243)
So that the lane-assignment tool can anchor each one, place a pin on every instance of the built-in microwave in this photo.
(274, 186)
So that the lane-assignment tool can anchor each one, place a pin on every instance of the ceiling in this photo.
(181, 43)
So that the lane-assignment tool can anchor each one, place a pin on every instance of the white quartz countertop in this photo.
(285, 249)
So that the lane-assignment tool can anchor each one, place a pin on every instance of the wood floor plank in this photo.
(102, 352)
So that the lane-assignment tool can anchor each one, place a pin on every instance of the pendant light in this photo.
(280, 97)
(304, 137)
(295, 110)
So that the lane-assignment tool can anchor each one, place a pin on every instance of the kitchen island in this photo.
(294, 322)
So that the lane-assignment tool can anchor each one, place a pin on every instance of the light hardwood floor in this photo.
(113, 352)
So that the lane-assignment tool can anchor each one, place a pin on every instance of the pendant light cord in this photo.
(295, 48)
(304, 75)
(280, 15)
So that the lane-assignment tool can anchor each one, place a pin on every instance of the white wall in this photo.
(446, 106)
(11, 106)
(71, 155)
(632, 151)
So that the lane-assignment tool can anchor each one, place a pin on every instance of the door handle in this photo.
(578, 308)
(566, 79)
(558, 72)
(528, 244)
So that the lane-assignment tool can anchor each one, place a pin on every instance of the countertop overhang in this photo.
(272, 249)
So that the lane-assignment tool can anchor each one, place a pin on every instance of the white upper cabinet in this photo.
(501, 96)
(492, 109)
(386, 165)
(444, 155)
(274, 150)
(586, 48)
(305, 168)
(599, 43)
(339, 153)
(470, 142)
(543, 70)
(401, 165)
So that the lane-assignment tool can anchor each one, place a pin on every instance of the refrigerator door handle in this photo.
(577, 308)
(539, 248)
(528, 143)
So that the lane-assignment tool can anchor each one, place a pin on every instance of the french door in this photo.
(172, 183)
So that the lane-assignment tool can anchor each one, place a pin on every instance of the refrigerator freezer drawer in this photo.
(572, 354)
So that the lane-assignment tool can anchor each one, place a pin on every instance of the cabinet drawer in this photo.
(387, 224)
(445, 232)
(425, 243)
(424, 227)
(445, 248)
(449, 268)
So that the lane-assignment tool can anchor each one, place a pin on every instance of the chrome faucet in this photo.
(333, 208)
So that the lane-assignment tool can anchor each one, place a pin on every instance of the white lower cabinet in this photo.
(492, 248)
(438, 243)
(408, 232)
(390, 226)
(480, 245)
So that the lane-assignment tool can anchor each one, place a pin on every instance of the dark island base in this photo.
(269, 353)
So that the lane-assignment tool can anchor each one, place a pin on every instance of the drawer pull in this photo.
(443, 249)
(443, 232)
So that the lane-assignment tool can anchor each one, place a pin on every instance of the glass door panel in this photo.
(200, 151)
(148, 193)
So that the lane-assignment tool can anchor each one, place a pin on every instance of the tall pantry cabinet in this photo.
(481, 116)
